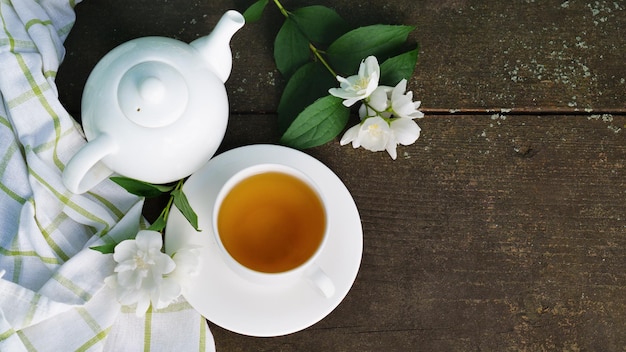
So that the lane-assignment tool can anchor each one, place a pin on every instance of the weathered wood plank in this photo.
(527, 55)
(537, 55)
(490, 233)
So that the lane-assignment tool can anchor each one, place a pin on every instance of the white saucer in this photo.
(247, 308)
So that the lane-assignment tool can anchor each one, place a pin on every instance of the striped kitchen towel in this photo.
(52, 292)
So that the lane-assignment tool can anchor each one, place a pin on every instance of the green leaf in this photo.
(159, 223)
(309, 83)
(141, 188)
(319, 23)
(346, 53)
(105, 248)
(394, 69)
(254, 12)
(291, 48)
(181, 202)
(319, 123)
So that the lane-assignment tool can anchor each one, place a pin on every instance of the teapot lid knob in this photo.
(152, 94)
(152, 89)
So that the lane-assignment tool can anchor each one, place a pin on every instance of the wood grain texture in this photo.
(503, 227)
(490, 233)
(537, 56)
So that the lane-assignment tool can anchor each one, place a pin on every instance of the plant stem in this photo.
(378, 113)
(318, 55)
(316, 52)
(166, 211)
(179, 185)
(281, 8)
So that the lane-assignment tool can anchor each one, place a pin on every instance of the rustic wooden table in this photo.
(503, 228)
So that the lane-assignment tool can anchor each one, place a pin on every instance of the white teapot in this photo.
(155, 109)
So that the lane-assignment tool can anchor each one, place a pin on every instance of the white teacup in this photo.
(270, 223)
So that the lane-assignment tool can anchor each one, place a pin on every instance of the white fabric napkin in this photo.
(52, 292)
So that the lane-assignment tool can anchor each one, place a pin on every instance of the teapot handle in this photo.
(320, 280)
(84, 171)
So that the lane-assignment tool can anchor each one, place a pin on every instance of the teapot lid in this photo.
(152, 94)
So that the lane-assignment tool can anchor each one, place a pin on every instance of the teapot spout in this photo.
(215, 47)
